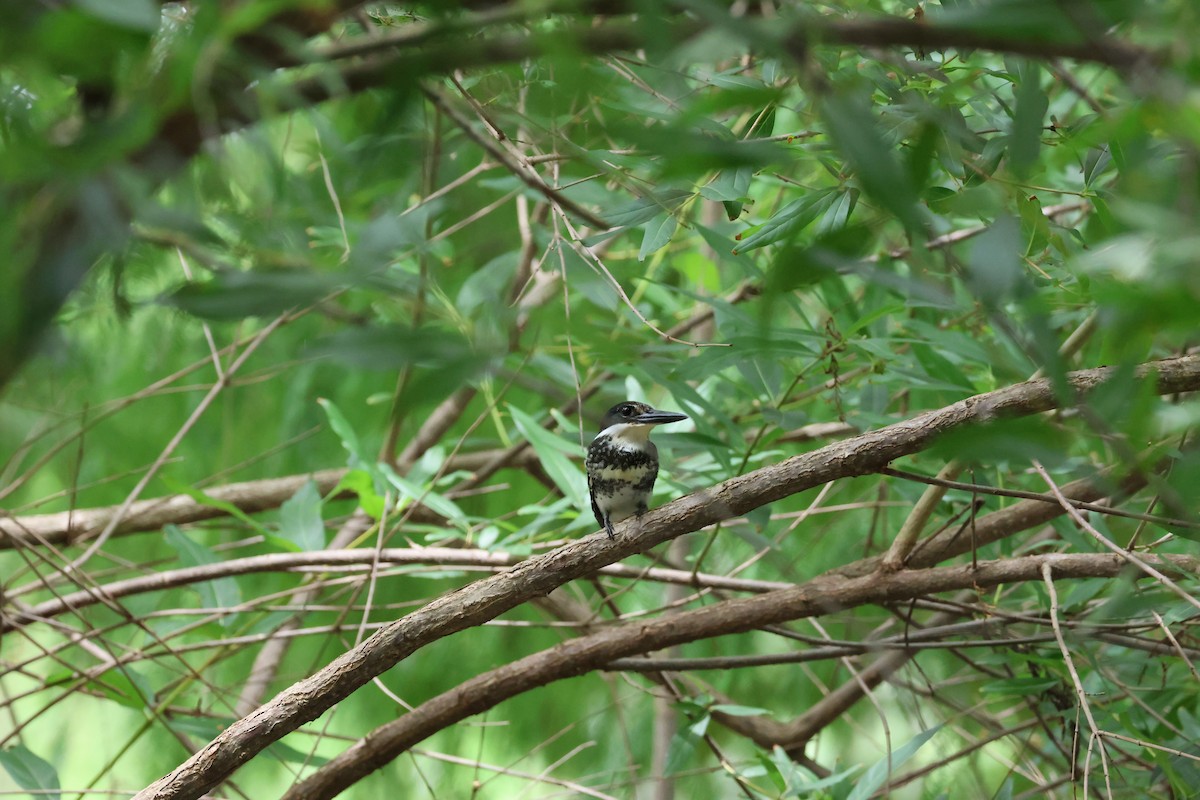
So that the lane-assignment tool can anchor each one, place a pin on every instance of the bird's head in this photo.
(637, 418)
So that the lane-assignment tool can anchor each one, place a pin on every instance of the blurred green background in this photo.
(400, 207)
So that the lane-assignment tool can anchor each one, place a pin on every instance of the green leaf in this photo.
(427, 497)
(1020, 687)
(30, 771)
(284, 752)
(853, 131)
(994, 269)
(729, 185)
(125, 686)
(300, 520)
(362, 484)
(341, 426)
(566, 476)
(838, 213)
(217, 594)
(1034, 225)
(1028, 118)
(940, 367)
(740, 711)
(481, 288)
(203, 728)
(646, 208)
(392, 347)
(213, 502)
(790, 220)
(684, 744)
(1015, 440)
(799, 780)
(658, 234)
(206, 728)
(233, 295)
(877, 774)
(142, 15)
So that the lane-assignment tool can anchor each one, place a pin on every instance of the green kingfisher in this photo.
(622, 462)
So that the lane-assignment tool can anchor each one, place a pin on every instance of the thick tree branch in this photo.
(490, 597)
(440, 49)
(891, 32)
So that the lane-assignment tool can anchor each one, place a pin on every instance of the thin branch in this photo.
(1004, 522)
(978, 488)
(347, 560)
(589, 256)
(1128, 555)
(891, 32)
(219, 386)
(1047, 570)
(500, 155)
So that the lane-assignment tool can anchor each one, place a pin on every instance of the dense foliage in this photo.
(346, 289)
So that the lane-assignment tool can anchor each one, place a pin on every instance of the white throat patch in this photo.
(627, 436)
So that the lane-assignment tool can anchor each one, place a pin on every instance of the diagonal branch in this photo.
(490, 597)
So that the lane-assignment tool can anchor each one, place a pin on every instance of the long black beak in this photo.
(655, 417)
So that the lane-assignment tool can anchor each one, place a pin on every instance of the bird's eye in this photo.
(627, 411)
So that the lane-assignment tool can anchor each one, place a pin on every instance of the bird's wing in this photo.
(596, 511)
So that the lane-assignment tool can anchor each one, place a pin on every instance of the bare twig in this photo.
(1128, 555)
(1096, 737)
(524, 173)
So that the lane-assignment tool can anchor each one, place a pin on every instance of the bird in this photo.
(622, 462)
